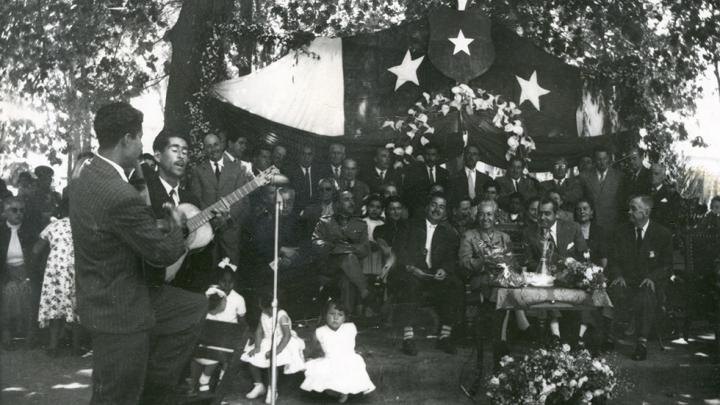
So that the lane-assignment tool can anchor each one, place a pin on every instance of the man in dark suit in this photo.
(515, 181)
(469, 181)
(213, 179)
(333, 167)
(604, 187)
(639, 264)
(563, 239)
(171, 153)
(569, 188)
(349, 182)
(16, 290)
(262, 159)
(142, 336)
(304, 177)
(638, 180)
(421, 176)
(666, 200)
(382, 172)
(428, 264)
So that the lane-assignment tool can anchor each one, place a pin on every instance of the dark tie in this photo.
(217, 170)
(172, 196)
(638, 238)
(308, 180)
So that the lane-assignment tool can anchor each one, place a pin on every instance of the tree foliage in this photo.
(61, 59)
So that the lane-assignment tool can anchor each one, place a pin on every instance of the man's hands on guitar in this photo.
(221, 215)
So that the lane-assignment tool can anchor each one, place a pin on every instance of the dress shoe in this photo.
(640, 352)
(408, 347)
(446, 345)
(258, 389)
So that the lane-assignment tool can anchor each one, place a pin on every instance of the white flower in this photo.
(390, 146)
(598, 392)
(494, 381)
(445, 109)
(388, 124)
(411, 111)
(582, 381)
(424, 141)
(427, 97)
(422, 118)
(588, 396)
(596, 364)
(399, 124)
(430, 130)
(409, 150)
(455, 90)
(411, 134)
(566, 347)
(573, 383)
(399, 151)
(643, 132)
(513, 142)
(398, 164)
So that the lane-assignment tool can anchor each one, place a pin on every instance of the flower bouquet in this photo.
(584, 275)
(554, 376)
(500, 265)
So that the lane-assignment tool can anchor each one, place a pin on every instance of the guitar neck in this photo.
(207, 214)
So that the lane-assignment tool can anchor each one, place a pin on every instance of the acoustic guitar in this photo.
(200, 233)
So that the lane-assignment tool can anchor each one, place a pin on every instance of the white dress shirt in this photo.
(471, 182)
(169, 190)
(430, 231)
(381, 173)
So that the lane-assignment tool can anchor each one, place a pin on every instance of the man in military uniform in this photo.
(342, 240)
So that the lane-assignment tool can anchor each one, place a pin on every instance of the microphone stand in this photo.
(276, 260)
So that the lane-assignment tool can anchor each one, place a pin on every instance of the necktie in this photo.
(217, 170)
(336, 170)
(172, 197)
(638, 238)
(428, 245)
(308, 180)
(382, 175)
(431, 174)
(515, 185)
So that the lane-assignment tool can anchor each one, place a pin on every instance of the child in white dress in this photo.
(224, 305)
(289, 348)
(341, 372)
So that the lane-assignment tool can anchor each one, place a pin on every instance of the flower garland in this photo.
(583, 275)
(552, 376)
(504, 115)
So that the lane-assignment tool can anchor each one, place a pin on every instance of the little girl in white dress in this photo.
(289, 347)
(341, 372)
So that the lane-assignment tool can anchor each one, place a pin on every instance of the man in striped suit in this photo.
(142, 336)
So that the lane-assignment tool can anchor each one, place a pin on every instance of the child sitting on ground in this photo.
(289, 347)
(341, 372)
(224, 305)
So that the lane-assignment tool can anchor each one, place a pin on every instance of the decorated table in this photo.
(551, 298)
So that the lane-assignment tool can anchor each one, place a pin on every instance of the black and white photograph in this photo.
(301, 202)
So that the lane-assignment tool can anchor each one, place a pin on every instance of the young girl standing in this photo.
(289, 347)
(341, 372)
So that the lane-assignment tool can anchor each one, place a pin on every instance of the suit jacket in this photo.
(195, 274)
(569, 243)
(27, 236)
(114, 231)
(527, 186)
(416, 186)
(443, 252)
(666, 207)
(326, 171)
(607, 197)
(597, 243)
(209, 190)
(359, 190)
(638, 184)
(301, 186)
(570, 190)
(373, 180)
(458, 184)
(653, 260)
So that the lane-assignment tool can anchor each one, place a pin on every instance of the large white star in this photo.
(530, 90)
(461, 43)
(407, 70)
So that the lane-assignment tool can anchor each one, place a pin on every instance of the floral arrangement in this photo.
(416, 128)
(552, 376)
(501, 265)
(584, 275)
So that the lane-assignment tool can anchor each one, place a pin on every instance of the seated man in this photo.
(428, 261)
(463, 217)
(640, 263)
(554, 240)
(342, 240)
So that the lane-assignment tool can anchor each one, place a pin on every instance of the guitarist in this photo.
(171, 153)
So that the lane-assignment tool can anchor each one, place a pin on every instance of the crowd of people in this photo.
(361, 239)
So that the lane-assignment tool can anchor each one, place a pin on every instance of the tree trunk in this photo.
(717, 74)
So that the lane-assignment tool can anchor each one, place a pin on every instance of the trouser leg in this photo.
(119, 367)
(646, 303)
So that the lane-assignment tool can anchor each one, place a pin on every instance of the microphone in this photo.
(277, 179)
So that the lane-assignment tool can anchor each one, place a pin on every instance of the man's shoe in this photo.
(258, 389)
(408, 347)
(446, 345)
(640, 352)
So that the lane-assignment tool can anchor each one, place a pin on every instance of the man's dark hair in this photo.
(587, 201)
(233, 136)
(491, 183)
(261, 148)
(373, 197)
(516, 195)
(531, 200)
(470, 145)
(435, 195)
(44, 171)
(163, 140)
(461, 200)
(393, 199)
(114, 120)
(601, 148)
(547, 200)
(516, 159)
(147, 156)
